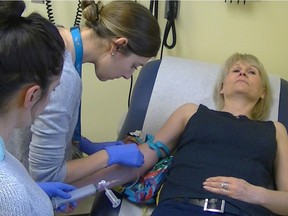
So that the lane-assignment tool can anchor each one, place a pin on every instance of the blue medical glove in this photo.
(58, 189)
(90, 147)
(127, 155)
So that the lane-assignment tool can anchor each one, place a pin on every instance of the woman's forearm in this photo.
(275, 201)
(82, 167)
(119, 174)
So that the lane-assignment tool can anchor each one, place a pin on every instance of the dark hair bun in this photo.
(11, 8)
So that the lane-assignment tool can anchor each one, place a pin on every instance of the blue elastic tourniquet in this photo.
(156, 145)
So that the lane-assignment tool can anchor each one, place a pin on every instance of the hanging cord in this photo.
(154, 10)
(131, 86)
(170, 25)
(51, 16)
(49, 11)
(130, 90)
(78, 14)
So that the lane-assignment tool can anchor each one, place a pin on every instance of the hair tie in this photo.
(99, 7)
(97, 12)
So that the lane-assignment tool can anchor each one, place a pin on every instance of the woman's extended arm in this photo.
(168, 134)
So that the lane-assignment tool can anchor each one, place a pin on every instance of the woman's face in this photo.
(118, 65)
(243, 78)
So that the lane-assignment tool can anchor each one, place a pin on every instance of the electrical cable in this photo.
(153, 10)
(130, 90)
(78, 14)
(170, 26)
(51, 16)
(131, 86)
(49, 11)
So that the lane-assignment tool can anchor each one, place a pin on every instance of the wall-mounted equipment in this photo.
(171, 12)
(171, 9)
(238, 1)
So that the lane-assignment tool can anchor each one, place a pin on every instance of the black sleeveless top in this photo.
(217, 143)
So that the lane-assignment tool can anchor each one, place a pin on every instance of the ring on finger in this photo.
(225, 185)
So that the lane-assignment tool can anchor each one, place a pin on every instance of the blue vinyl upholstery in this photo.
(140, 98)
(283, 104)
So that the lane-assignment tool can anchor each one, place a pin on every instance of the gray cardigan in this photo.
(52, 131)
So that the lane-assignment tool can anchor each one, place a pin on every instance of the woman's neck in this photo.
(10, 120)
(236, 108)
(5, 129)
(93, 47)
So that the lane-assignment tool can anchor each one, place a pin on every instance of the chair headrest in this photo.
(181, 81)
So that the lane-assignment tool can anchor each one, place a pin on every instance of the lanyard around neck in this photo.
(78, 46)
(2, 149)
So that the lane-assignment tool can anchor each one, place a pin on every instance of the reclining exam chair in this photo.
(161, 87)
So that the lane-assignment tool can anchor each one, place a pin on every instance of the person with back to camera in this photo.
(31, 60)
(243, 172)
(119, 37)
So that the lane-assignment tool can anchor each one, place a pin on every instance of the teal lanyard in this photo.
(78, 46)
(2, 149)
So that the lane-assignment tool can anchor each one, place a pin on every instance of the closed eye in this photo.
(252, 72)
(236, 71)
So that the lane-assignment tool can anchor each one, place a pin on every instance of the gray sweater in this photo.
(19, 194)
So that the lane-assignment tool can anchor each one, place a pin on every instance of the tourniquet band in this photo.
(156, 146)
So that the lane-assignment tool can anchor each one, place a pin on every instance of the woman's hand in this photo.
(232, 187)
(59, 189)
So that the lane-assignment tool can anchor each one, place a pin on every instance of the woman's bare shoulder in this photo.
(189, 107)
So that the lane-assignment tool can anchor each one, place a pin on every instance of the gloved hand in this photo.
(90, 147)
(128, 155)
(54, 189)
